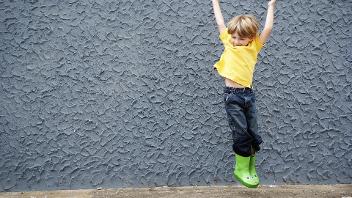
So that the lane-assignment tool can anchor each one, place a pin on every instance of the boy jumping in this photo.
(242, 44)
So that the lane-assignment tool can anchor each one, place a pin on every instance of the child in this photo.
(242, 44)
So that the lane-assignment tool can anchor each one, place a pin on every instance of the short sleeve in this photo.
(224, 36)
(258, 44)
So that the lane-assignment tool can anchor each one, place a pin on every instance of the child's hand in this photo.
(271, 2)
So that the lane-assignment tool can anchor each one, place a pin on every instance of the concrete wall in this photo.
(123, 94)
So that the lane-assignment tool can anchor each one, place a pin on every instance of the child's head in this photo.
(243, 26)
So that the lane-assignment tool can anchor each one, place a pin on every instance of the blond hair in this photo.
(245, 26)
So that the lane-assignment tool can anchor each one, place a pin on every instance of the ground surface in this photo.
(286, 191)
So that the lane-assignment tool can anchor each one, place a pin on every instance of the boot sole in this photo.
(246, 184)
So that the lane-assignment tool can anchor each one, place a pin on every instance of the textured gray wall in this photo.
(123, 94)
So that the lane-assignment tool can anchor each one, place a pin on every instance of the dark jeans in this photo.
(242, 117)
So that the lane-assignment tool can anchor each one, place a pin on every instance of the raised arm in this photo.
(218, 16)
(269, 22)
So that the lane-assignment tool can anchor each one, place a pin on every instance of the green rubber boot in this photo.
(241, 171)
(252, 170)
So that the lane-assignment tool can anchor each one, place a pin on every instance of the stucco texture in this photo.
(123, 94)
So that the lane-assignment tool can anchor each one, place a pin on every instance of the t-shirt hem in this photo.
(237, 80)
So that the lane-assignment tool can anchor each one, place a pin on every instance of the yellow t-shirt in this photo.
(237, 63)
